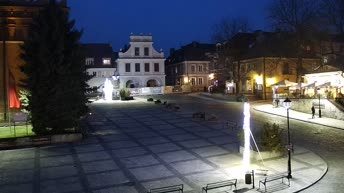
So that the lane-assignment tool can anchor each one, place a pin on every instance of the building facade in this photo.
(141, 66)
(256, 61)
(189, 66)
(100, 64)
(15, 19)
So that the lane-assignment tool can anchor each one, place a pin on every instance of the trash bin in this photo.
(248, 178)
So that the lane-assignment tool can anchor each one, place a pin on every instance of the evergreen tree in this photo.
(56, 76)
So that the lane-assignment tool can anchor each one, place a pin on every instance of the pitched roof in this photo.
(97, 50)
(264, 44)
(191, 52)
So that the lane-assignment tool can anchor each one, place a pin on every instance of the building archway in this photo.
(152, 83)
(129, 84)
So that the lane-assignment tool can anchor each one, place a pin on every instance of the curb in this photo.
(297, 119)
(321, 177)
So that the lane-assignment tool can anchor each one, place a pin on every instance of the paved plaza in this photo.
(135, 146)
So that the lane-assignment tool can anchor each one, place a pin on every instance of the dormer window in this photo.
(137, 51)
(107, 61)
(89, 61)
(146, 51)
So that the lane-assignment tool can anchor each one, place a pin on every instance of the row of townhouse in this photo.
(254, 63)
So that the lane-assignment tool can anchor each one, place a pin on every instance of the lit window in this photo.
(200, 81)
(106, 61)
(89, 61)
(193, 81)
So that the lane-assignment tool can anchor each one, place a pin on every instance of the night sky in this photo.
(171, 22)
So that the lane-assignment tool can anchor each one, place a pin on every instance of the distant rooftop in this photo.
(28, 2)
(141, 38)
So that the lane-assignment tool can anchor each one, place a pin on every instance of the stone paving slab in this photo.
(127, 152)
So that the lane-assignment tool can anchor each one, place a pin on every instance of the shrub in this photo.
(150, 100)
(271, 139)
(124, 93)
(242, 98)
(157, 101)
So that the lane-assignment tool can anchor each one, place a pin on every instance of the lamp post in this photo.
(287, 103)
(319, 102)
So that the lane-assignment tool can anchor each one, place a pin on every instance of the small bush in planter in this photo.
(157, 101)
(124, 94)
(150, 100)
(271, 138)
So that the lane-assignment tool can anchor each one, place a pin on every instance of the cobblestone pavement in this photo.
(136, 146)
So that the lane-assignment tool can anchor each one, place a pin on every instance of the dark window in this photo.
(137, 67)
(193, 68)
(146, 51)
(137, 51)
(146, 67)
(285, 69)
(156, 67)
(127, 67)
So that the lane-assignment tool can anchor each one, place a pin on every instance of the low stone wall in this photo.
(328, 108)
(42, 140)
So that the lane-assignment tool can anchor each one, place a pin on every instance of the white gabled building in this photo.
(141, 66)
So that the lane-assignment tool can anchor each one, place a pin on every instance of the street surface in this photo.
(135, 145)
(325, 141)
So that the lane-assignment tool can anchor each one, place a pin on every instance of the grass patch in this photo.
(19, 131)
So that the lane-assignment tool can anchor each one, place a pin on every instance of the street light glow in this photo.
(247, 131)
(108, 90)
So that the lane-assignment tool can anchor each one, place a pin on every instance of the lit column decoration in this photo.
(319, 93)
(108, 88)
(287, 103)
(247, 131)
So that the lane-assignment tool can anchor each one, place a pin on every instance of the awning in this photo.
(327, 84)
(285, 83)
(311, 85)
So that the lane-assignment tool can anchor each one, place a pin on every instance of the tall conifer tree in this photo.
(55, 72)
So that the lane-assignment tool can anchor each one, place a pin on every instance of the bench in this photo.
(20, 117)
(175, 188)
(271, 178)
(220, 184)
(200, 115)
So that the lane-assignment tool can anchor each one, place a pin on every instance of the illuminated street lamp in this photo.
(319, 92)
(287, 103)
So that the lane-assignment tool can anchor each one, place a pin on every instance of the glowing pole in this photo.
(246, 127)
(108, 90)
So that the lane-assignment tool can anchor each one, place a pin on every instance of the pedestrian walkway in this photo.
(280, 111)
(136, 145)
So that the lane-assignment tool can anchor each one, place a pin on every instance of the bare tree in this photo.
(228, 27)
(333, 14)
(301, 17)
